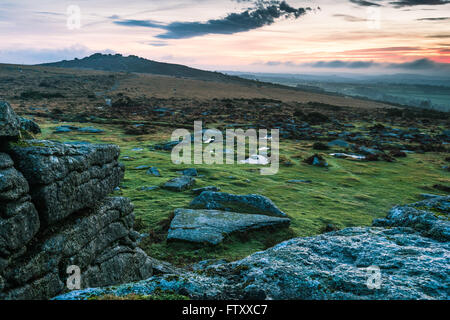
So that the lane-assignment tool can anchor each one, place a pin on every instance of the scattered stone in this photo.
(208, 188)
(256, 159)
(191, 172)
(154, 172)
(299, 181)
(339, 143)
(179, 184)
(143, 167)
(151, 188)
(69, 128)
(168, 146)
(368, 151)
(316, 160)
(252, 203)
(210, 226)
(90, 130)
(65, 129)
(348, 156)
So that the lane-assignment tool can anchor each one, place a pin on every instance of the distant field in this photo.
(90, 87)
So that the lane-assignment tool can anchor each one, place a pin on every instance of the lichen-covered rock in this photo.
(429, 217)
(334, 265)
(9, 121)
(65, 178)
(99, 241)
(251, 203)
(210, 226)
(19, 220)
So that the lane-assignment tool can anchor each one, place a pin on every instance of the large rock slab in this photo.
(252, 203)
(19, 220)
(65, 178)
(100, 241)
(210, 226)
(330, 266)
(9, 121)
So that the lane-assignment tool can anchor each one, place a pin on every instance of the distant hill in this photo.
(120, 63)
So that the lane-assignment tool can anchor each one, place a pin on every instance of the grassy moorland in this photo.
(347, 193)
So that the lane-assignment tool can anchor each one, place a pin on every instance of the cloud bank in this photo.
(416, 65)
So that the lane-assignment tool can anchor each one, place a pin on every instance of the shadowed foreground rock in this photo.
(100, 241)
(54, 214)
(329, 266)
(210, 226)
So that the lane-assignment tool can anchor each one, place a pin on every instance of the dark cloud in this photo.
(157, 43)
(409, 3)
(365, 3)
(434, 19)
(263, 13)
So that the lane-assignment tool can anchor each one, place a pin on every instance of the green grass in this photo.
(347, 194)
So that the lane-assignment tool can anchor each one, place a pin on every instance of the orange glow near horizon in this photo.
(36, 32)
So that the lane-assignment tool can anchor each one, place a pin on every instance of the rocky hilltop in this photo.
(55, 213)
(410, 248)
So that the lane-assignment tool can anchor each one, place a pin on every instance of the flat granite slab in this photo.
(210, 226)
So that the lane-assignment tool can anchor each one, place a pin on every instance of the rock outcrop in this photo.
(210, 226)
(65, 178)
(179, 184)
(55, 214)
(408, 264)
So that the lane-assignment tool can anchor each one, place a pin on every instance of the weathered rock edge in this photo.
(210, 226)
(65, 178)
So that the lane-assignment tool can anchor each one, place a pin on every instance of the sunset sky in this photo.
(242, 35)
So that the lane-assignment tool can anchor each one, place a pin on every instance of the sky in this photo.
(291, 36)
